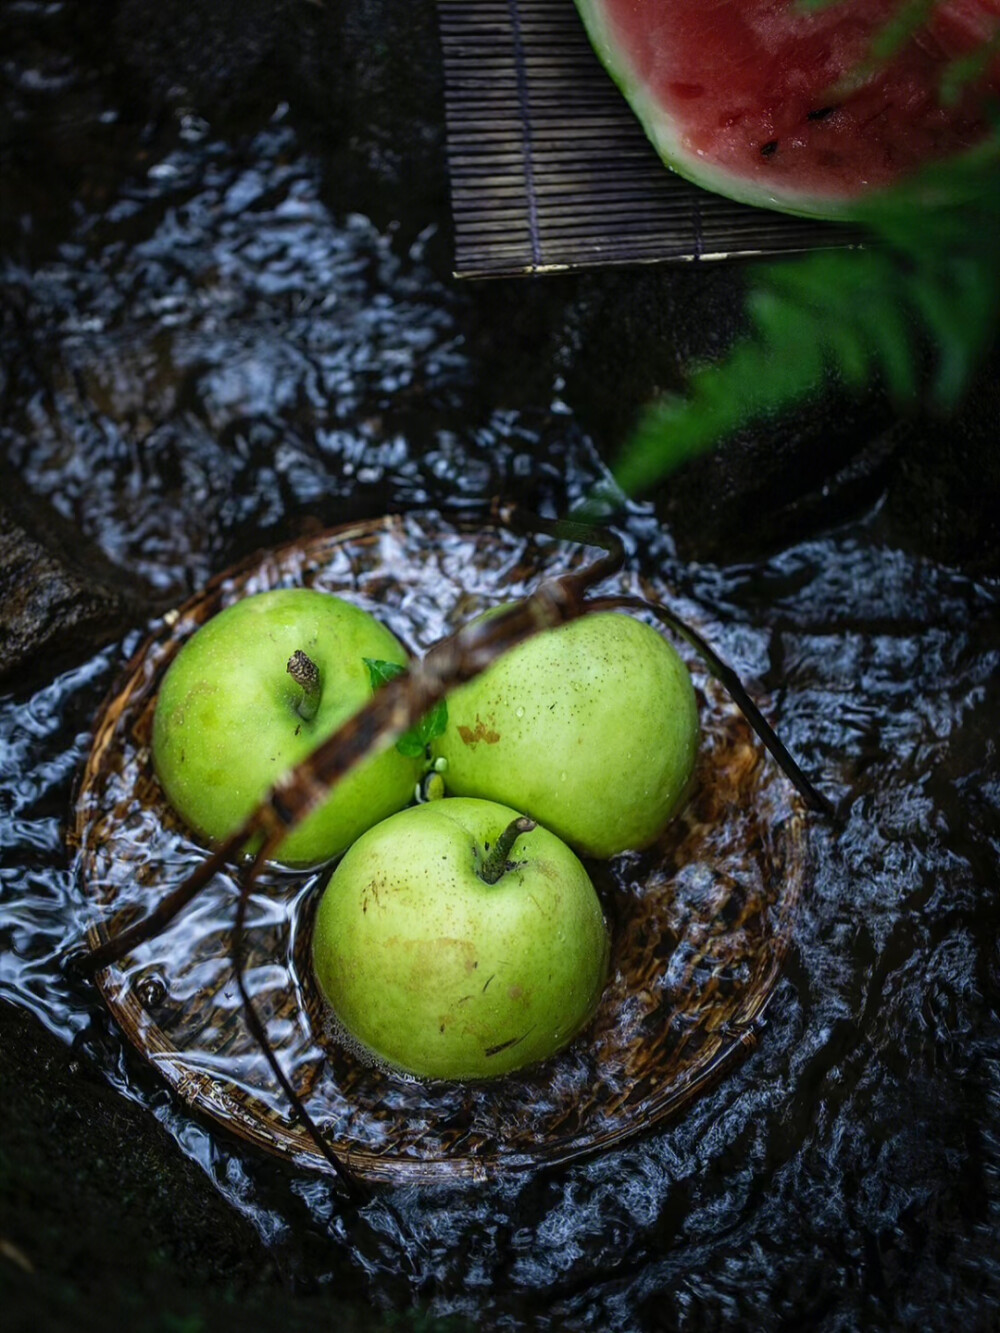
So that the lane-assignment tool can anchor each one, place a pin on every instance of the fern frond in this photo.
(968, 69)
(928, 282)
(897, 30)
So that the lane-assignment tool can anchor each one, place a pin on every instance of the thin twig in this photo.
(357, 1190)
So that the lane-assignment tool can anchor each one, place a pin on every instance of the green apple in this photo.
(591, 728)
(453, 945)
(251, 694)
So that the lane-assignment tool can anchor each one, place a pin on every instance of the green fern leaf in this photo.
(929, 277)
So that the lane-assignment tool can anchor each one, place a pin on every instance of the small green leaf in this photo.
(379, 671)
(414, 742)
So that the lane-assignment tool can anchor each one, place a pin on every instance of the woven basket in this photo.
(699, 923)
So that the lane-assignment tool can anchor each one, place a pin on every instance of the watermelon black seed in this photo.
(822, 113)
(770, 148)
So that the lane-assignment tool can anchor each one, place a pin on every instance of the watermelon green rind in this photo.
(933, 132)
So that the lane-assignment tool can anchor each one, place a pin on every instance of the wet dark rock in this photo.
(59, 597)
(782, 479)
(218, 56)
(92, 87)
(368, 75)
(944, 499)
(80, 1158)
(629, 337)
(105, 1224)
(634, 336)
(364, 79)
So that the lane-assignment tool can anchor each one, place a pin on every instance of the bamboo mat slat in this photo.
(551, 171)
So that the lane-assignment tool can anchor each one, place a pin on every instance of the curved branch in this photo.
(357, 1191)
(732, 684)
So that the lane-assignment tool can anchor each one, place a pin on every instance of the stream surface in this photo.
(215, 356)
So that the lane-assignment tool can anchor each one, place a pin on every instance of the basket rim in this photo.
(252, 1120)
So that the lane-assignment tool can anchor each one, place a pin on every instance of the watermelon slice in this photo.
(768, 103)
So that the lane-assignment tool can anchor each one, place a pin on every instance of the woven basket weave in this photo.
(699, 923)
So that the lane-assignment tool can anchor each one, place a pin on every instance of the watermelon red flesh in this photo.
(750, 97)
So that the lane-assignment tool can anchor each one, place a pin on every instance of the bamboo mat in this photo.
(550, 170)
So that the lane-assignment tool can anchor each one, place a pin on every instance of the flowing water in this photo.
(214, 356)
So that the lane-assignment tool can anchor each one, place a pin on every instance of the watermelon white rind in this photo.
(770, 105)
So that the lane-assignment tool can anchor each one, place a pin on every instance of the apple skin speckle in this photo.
(471, 736)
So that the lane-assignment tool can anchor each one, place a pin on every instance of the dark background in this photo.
(103, 1221)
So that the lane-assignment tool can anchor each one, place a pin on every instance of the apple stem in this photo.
(494, 863)
(304, 671)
